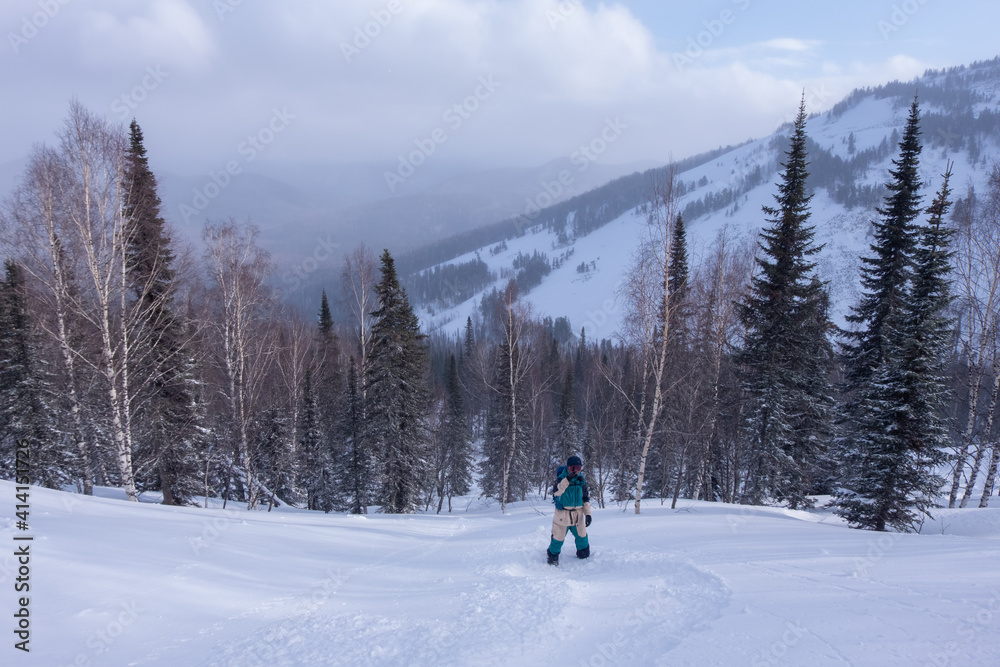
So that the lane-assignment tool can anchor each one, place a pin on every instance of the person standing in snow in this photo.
(572, 500)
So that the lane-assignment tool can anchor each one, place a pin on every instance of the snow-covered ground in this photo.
(115, 583)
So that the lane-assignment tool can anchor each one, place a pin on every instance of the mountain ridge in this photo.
(851, 149)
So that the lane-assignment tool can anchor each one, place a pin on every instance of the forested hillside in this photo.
(742, 326)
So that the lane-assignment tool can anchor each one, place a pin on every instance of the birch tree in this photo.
(35, 231)
(978, 286)
(507, 437)
(94, 204)
(242, 301)
(647, 325)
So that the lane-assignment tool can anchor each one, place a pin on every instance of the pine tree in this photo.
(888, 471)
(568, 433)
(455, 470)
(166, 370)
(325, 318)
(327, 390)
(316, 475)
(274, 452)
(470, 339)
(677, 285)
(397, 396)
(926, 346)
(26, 411)
(785, 359)
(356, 470)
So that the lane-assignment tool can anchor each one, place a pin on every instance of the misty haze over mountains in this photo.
(461, 216)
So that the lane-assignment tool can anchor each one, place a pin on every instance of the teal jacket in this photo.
(575, 494)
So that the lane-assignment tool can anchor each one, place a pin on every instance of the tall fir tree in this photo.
(397, 397)
(355, 467)
(169, 422)
(469, 345)
(888, 468)
(785, 357)
(927, 342)
(567, 425)
(455, 469)
(316, 474)
(27, 414)
(328, 394)
(678, 284)
(679, 381)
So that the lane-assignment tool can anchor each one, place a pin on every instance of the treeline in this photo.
(946, 89)
(132, 362)
(599, 206)
(447, 285)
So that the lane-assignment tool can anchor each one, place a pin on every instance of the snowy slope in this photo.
(114, 583)
(589, 300)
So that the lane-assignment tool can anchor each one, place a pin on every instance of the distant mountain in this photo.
(571, 256)
(304, 211)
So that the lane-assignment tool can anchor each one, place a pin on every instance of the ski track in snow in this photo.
(519, 611)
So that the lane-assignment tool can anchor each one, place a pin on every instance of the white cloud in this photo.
(169, 32)
(564, 68)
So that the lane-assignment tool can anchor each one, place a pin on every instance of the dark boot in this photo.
(553, 558)
(583, 553)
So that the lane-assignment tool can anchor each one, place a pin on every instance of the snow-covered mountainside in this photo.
(851, 150)
(115, 583)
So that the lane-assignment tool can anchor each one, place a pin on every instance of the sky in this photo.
(480, 83)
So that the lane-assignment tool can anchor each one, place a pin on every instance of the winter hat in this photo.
(574, 461)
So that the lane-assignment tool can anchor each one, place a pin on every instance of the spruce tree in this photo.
(887, 465)
(568, 430)
(470, 339)
(327, 393)
(316, 471)
(325, 318)
(356, 467)
(165, 365)
(677, 285)
(927, 342)
(26, 406)
(785, 357)
(397, 396)
(455, 471)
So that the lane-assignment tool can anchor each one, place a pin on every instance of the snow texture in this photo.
(124, 584)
